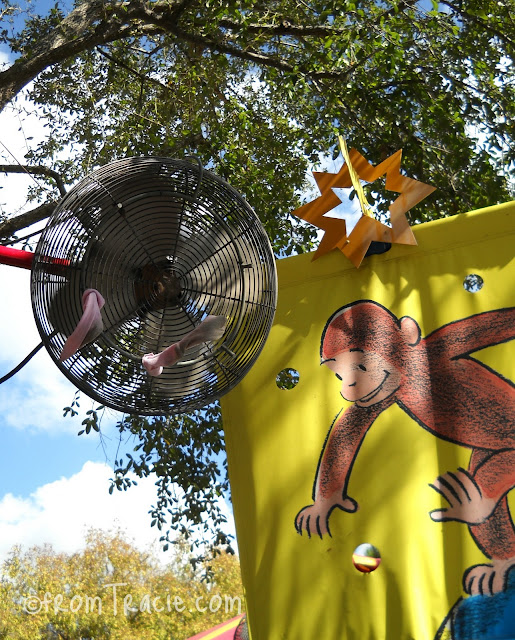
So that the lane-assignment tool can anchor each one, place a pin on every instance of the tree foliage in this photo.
(258, 90)
(114, 591)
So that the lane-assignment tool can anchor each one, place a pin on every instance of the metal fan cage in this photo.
(166, 243)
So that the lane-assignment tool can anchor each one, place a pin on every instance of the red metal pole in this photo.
(24, 259)
(16, 257)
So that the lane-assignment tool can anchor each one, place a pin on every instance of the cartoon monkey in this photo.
(382, 360)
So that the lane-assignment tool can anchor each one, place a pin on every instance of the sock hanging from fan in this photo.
(211, 328)
(90, 325)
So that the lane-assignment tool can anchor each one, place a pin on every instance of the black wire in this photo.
(17, 240)
(22, 363)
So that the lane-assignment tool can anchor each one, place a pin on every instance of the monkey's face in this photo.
(367, 377)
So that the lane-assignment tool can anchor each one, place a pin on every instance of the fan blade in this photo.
(223, 274)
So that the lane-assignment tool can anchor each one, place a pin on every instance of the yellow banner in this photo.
(402, 439)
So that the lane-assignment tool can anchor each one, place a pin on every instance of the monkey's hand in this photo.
(467, 503)
(487, 579)
(315, 517)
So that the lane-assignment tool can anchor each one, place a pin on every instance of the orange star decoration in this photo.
(367, 229)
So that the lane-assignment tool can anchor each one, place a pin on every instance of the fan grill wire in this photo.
(166, 243)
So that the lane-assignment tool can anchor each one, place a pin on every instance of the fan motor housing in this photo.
(166, 243)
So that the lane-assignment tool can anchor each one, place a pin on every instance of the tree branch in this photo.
(125, 66)
(84, 28)
(26, 219)
(35, 170)
(93, 23)
(287, 28)
(480, 23)
(258, 58)
(283, 28)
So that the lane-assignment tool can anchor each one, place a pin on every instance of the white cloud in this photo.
(35, 396)
(61, 512)
(348, 210)
(5, 59)
(20, 130)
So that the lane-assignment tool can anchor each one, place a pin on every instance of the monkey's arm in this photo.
(476, 332)
(334, 468)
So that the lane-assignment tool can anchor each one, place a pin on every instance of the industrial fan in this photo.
(168, 246)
